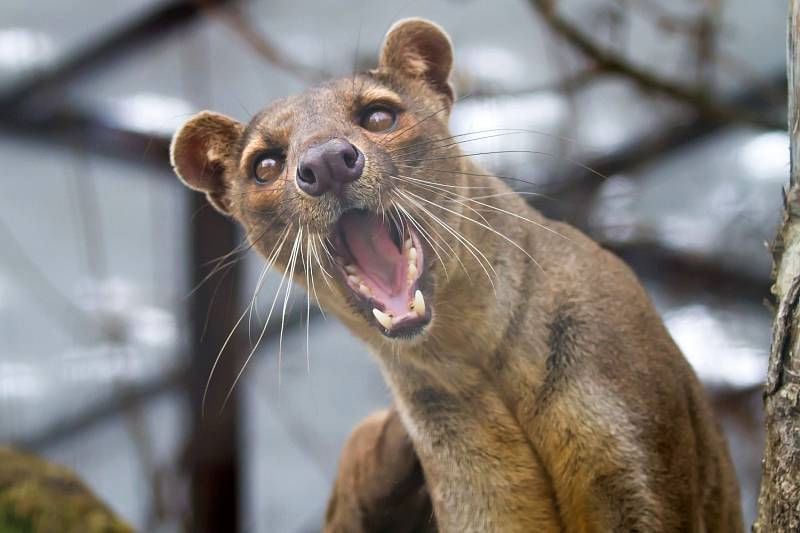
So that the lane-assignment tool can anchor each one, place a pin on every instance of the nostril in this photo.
(306, 174)
(350, 157)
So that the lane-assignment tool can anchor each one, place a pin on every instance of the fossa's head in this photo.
(331, 177)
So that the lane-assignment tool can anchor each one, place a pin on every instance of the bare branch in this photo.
(571, 82)
(608, 61)
(233, 18)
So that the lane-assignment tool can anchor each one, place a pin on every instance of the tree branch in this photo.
(611, 62)
(779, 498)
(233, 18)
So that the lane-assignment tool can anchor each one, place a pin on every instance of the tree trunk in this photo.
(779, 499)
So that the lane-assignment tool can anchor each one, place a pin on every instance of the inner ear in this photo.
(203, 150)
(419, 48)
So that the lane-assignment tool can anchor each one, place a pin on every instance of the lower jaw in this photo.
(408, 326)
(409, 333)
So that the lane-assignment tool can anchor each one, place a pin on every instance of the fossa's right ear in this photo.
(203, 150)
(420, 48)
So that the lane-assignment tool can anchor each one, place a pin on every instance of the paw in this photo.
(380, 484)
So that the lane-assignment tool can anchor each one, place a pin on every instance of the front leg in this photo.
(480, 469)
(380, 486)
(621, 465)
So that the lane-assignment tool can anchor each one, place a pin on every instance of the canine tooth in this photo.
(419, 304)
(384, 319)
(412, 254)
(350, 269)
(409, 244)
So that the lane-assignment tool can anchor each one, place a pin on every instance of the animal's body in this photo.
(534, 382)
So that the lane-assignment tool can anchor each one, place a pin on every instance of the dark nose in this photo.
(329, 166)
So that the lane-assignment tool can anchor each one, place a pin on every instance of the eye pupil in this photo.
(268, 167)
(378, 120)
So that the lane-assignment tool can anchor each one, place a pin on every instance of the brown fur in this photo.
(550, 399)
(380, 486)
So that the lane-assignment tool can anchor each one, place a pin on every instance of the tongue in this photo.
(368, 238)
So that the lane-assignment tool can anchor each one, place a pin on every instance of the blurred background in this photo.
(660, 127)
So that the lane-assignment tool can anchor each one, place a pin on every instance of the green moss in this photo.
(40, 497)
(11, 523)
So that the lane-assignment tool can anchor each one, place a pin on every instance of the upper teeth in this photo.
(384, 319)
(411, 272)
(419, 304)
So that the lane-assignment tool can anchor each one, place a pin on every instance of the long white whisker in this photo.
(489, 228)
(432, 147)
(537, 224)
(447, 195)
(271, 258)
(315, 254)
(444, 185)
(511, 131)
(222, 350)
(286, 301)
(313, 283)
(263, 330)
(424, 235)
(309, 278)
(491, 152)
(471, 248)
(512, 193)
(473, 174)
(326, 276)
(325, 248)
(489, 206)
(259, 284)
(398, 221)
(452, 252)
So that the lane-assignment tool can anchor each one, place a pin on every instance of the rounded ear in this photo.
(420, 48)
(201, 152)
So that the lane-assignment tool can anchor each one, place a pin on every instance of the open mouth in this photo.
(382, 264)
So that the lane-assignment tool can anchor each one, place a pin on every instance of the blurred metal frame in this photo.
(35, 106)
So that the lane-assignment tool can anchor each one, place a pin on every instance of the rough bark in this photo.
(779, 499)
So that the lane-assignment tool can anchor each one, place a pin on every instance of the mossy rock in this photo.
(40, 497)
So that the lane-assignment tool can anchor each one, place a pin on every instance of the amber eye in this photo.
(268, 166)
(378, 119)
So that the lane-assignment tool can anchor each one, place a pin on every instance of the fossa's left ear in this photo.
(202, 153)
(419, 48)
